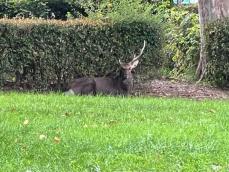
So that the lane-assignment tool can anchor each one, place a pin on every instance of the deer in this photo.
(121, 84)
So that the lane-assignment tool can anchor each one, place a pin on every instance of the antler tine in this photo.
(136, 57)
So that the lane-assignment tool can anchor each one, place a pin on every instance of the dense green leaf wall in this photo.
(218, 52)
(47, 54)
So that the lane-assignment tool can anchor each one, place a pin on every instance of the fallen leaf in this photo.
(42, 137)
(212, 111)
(57, 140)
(26, 122)
(216, 167)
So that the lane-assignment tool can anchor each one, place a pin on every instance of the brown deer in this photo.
(122, 84)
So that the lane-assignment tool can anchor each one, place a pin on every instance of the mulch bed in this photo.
(161, 88)
(167, 88)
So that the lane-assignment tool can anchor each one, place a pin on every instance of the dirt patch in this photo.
(161, 88)
(166, 88)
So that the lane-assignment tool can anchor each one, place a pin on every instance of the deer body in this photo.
(82, 86)
(122, 84)
(114, 86)
(100, 85)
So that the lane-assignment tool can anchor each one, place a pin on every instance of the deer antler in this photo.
(137, 57)
(134, 59)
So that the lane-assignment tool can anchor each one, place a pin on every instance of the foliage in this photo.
(217, 46)
(182, 36)
(183, 40)
(57, 9)
(61, 133)
(64, 9)
(181, 27)
(181, 22)
(50, 52)
(124, 10)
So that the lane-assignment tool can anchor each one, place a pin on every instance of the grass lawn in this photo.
(66, 133)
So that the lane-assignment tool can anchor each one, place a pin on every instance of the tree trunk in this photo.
(209, 10)
(204, 8)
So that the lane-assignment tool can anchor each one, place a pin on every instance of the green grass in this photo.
(112, 134)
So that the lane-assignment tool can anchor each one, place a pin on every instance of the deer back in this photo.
(82, 86)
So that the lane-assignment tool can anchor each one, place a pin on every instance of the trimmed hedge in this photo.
(217, 47)
(48, 53)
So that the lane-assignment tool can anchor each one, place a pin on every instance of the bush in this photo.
(65, 9)
(127, 10)
(55, 9)
(181, 36)
(45, 53)
(217, 46)
(183, 40)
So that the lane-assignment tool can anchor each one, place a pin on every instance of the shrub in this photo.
(24, 8)
(44, 53)
(184, 41)
(181, 37)
(127, 10)
(58, 9)
(217, 47)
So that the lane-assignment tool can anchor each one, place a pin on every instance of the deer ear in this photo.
(134, 64)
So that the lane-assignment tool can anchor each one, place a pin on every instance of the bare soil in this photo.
(161, 88)
(167, 88)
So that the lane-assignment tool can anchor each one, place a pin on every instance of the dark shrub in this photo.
(45, 53)
(217, 38)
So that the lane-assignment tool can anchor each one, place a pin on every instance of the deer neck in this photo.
(125, 84)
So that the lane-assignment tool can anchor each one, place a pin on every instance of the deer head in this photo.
(128, 67)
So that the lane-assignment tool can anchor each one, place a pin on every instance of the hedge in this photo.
(217, 47)
(47, 54)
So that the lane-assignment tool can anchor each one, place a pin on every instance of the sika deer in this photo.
(121, 84)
